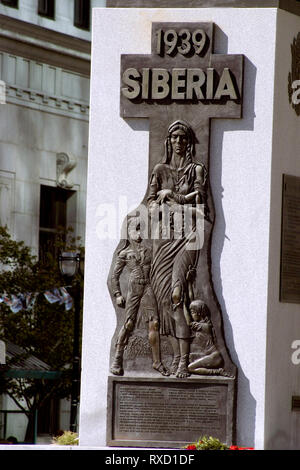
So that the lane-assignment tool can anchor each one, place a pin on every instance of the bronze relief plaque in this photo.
(290, 241)
(168, 351)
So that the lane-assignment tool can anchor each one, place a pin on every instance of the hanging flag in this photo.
(53, 296)
(14, 302)
(60, 295)
(68, 300)
(27, 301)
(30, 299)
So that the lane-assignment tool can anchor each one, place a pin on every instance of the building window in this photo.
(82, 10)
(53, 219)
(11, 3)
(46, 8)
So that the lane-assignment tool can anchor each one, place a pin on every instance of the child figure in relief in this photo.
(205, 359)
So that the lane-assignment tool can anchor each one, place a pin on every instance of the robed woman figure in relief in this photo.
(178, 187)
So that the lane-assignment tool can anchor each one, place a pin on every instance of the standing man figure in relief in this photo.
(136, 257)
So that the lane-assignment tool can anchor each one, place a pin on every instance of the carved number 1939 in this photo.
(184, 41)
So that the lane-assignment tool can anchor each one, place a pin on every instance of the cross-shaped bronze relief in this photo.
(179, 87)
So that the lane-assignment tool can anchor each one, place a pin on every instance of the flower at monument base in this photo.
(207, 443)
(240, 448)
(212, 443)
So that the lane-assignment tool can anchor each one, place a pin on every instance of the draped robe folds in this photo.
(173, 257)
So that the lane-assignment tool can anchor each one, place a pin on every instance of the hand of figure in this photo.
(196, 326)
(120, 301)
(163, 195)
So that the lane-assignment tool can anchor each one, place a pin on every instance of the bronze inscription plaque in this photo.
(146, 412)
(290, 241)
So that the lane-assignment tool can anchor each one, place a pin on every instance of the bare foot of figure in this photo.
(182, 371)
(161, 369)
(207, 371)
(117, 368)
(174, 365)
(225, 374)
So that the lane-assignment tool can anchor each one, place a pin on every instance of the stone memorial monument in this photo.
(192, 256)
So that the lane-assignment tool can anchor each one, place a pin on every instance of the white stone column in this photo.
(247, 157)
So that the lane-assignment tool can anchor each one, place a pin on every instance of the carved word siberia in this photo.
(178, 84)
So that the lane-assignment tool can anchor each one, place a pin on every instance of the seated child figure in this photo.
(205, 359)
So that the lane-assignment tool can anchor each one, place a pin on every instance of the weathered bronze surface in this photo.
(169, 321)
(290, 240)
(168, 413)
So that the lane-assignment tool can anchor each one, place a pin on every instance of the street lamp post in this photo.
(69, 263)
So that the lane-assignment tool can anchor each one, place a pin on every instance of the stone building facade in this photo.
(44, 122)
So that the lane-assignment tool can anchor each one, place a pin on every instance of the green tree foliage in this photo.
(46, 331)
